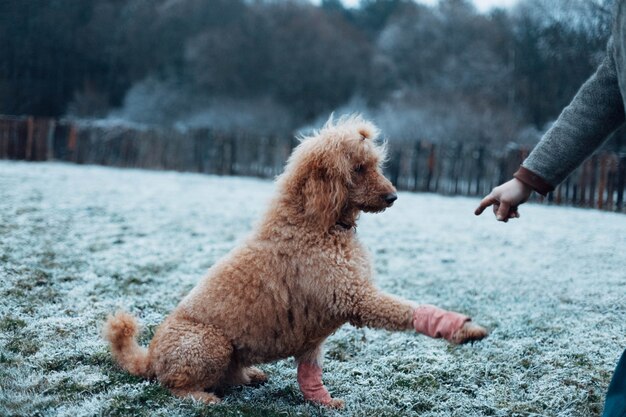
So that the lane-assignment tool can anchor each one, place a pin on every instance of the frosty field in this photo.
(77, 243)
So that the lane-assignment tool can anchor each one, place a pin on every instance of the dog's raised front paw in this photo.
(470, 332)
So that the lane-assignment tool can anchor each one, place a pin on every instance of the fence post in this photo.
(50, 140)
(394, 166)
(30, 127)
(602, 182)
(593, 178)
(431, 166)
(416, 154)
(583, 184)
(621, 180)
(610, 186)
(71, 142)
(479, 168)
(233, 154)
(457, 165)
(3, 141)
(567, 185)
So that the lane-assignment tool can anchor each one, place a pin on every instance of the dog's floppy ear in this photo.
(325, 196)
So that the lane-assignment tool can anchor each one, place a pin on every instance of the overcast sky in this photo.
(482, 5)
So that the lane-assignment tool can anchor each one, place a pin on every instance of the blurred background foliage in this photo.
(443, 72)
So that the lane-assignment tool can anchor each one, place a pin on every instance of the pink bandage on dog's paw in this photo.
(436, 322)
(310, 381)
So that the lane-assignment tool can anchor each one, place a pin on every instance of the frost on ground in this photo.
(77, 243)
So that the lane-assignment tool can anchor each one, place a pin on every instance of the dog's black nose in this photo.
(390, 198)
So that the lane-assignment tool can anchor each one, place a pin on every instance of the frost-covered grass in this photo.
(79, 242)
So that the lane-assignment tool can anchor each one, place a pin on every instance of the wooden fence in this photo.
(453, 168)
(473, 170)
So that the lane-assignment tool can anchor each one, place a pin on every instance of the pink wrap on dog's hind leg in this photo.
(310, 381)
(436, 322)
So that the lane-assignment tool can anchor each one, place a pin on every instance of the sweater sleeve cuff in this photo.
(533, 180)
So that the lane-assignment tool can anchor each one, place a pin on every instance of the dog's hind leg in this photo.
(255, 375)
(244, 375)
(196, 394)
(190, 357)
(310, 379)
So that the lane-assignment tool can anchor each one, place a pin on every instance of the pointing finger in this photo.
(486, 202)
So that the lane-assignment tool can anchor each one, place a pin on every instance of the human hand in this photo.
(505, 199)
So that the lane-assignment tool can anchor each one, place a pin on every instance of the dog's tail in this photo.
(120, 330)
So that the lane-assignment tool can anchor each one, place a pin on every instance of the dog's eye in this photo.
(359, 169)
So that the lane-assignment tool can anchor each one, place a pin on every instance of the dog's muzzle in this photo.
(390, 198)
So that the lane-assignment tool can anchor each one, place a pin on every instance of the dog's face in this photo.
(368, 189)
(337, 172)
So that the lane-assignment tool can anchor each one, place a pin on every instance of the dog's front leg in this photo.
(310, 380)
(374, 309)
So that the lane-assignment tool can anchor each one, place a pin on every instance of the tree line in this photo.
(438, 73)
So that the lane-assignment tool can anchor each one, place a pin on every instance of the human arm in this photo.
(595, 112)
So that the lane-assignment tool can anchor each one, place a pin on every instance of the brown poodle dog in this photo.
(300, 276)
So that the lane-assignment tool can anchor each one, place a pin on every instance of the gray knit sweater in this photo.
(594, 113)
